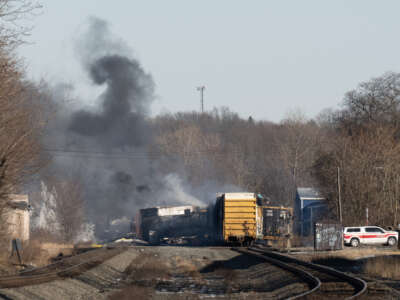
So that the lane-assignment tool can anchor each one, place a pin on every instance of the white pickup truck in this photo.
(369, 235)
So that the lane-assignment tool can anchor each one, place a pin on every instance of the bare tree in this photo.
(14, 15)
(362, 140)
(297, 141)
(373, 101)
(20, 114)
(20, 126)
(193, 146)
(69, 208)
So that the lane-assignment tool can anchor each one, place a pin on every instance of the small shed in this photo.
(309, 207)
(311, 214)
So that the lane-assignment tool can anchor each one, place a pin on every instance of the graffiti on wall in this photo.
(328, 236)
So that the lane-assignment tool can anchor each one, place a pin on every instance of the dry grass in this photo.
(379, 262)
(132, 292)
(148, 266)
(149, 269)
(42, 246)
(229, 275)
(32, 253)
(143, 274)
(44, 236)
(53, 249)
(6, 266)
(349, 253)
(37, 251)
(39, 254)
(383, 266)
(188, 267)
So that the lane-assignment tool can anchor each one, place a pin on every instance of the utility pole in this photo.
(201, 89)
(339, 196)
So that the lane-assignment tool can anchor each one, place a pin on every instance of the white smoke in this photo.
(175, 190)
(86, 234)
(46, 218)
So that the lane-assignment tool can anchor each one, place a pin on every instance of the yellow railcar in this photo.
(236, 217)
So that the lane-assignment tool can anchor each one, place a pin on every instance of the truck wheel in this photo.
(355, 242)
(391, 241)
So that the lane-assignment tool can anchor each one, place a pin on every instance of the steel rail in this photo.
(313, 281)
(73, 269)
(359, 284)
(64, 262)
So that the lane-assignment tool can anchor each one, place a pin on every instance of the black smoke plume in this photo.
(106, 145)
(121, 121)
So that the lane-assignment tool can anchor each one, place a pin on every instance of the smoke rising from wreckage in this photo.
(125, 178)
(234, 218)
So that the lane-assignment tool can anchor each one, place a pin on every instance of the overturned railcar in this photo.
(234, 218)
(159, 224)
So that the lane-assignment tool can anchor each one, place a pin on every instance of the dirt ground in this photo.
(34, 254)
(197, 273)
(172, 272)
(168, 272)
(380, 265)
(95, 283)
(348, 253)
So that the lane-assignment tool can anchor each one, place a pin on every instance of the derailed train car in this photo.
(169, 224)
(244, 217)
(277, 225)
(234, 218)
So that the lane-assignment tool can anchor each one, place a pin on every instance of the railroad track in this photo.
(68, 267)
(232, 278)
(323, 282)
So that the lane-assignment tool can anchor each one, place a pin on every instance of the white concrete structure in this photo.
(17, 217)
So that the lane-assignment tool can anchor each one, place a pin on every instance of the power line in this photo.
(127, 154)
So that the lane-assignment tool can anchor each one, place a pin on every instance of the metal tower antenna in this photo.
(201, 89)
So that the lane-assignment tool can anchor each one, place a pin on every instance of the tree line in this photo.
(359, 141)
(21, 117)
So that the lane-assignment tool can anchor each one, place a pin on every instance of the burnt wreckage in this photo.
(234, 218)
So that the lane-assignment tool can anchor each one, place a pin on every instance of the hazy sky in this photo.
(260, 58)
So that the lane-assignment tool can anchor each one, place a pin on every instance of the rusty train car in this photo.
(162, 224)
(277, 225)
